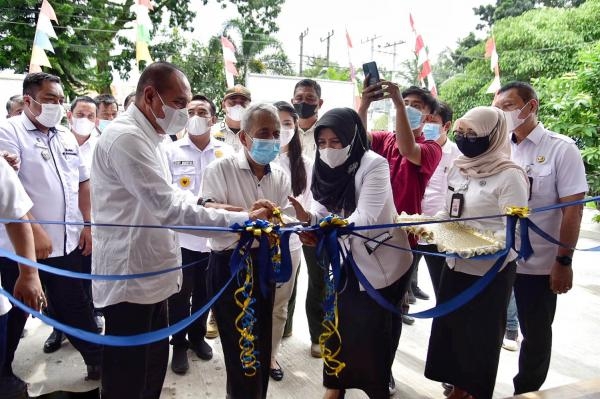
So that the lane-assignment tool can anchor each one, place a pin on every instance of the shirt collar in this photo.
(243, 162)
(144, 124)
(535, 136)
(185, 141)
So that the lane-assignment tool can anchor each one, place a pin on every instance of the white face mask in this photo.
(198, 125)
(235, 113)
(334, 157)
(51, 114)
(512, 118)
(174, 120)
(82, 126)
(286, 135)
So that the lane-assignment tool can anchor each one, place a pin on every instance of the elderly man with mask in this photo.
(239, 180)
(132, 186)
(235, 102)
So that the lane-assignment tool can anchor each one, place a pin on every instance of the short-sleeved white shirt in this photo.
(187, 163)
(485, 196)
(230, 180)
(309, 145)
(554, 164)
(434, 199)
(14, 204)
(51, 170)
(223, 133)
(87, 149)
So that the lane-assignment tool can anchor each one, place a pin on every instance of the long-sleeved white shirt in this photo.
(131, 185)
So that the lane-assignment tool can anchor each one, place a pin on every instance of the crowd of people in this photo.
(165, 159)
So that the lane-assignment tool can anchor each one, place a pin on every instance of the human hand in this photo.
(85, 241)
(370, 93)
(43, 243)
(28, 288)
(309, 238)
(561, 278)
(262, 209)
(13, 159)
(226, 207)
(301, 213)
(392, 90)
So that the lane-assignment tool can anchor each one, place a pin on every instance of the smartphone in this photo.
(371, 68)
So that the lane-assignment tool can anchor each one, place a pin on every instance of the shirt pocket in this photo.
(542, 180)
(184, 176)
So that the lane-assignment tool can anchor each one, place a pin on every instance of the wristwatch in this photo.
(204, 201)
(564, 260)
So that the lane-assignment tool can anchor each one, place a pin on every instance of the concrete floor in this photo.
(576, 351)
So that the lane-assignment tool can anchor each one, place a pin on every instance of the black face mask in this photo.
(305, 110)
(472, 147)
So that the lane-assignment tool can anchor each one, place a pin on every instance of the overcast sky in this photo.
(440, 22)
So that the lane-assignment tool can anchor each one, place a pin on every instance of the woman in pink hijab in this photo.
(464, 347)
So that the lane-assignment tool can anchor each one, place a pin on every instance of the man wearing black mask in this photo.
(307, 102)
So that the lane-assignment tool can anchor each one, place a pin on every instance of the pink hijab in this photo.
(487, 121)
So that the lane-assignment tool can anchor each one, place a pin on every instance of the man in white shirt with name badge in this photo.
(132, 185)
(557, 175)
(188, 157)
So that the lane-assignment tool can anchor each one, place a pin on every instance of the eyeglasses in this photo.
(470, 136)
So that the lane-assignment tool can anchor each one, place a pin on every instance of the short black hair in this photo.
(524, 90)
(202, 97)
(156, 75)
(106, 99)
(444, 111)
(33, 82)
(83, 99)
(424, 95)
(130, 97)
(16, 99)
(309, 83)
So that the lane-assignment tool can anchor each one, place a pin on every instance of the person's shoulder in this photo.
(371, 159)
(226, 162)
(554, 137)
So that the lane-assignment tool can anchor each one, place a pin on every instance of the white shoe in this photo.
(510, 344)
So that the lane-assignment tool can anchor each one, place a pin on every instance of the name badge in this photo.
(183, 163)
(456, 205)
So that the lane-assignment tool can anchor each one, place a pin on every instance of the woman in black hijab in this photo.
(354, 183)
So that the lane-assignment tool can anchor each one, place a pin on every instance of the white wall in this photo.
(10, 84)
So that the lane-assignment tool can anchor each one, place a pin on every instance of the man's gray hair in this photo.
(247, 117)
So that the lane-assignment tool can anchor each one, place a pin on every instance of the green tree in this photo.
(318, 67)
(88, 36)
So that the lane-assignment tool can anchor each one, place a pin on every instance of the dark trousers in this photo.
(314, 293)
(536, 306)
(3, 329)
(194, 286)
(402, 306)
(240, 386)
(135, 372)
(66, 296)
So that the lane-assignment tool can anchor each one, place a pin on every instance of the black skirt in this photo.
(464, 346)
(366, 337)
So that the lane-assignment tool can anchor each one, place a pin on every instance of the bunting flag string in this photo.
(492, 54)
(352, 71)
(143, 28)
(229, 60)
(41, 41)
(423, 62)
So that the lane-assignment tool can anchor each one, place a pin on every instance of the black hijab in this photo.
(334, 188)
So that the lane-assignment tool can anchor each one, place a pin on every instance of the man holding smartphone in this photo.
(411, 157)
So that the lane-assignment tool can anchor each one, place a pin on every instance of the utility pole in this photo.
(371, 39)
(302, 36)
(328, 37)
(394, 52)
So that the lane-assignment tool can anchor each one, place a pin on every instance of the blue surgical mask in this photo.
(414, 117)
(432, 131)
(102, 123)
(264, 151)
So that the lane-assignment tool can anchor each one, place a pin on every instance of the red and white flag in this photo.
(229, 60)
(492, 54)
(423, 62)
(352, 71)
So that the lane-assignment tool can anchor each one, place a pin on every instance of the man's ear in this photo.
(242, 137)
(320, 103)
(447, 126)
(70, 116)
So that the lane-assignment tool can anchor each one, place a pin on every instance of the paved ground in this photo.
(575, 353)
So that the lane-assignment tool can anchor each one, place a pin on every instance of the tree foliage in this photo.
(319, 67)
(540, 43)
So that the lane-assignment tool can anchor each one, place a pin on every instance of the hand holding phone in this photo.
(370, 68)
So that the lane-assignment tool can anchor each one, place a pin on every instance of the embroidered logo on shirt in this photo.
(183, 163)
(185, 181)
(540, 159)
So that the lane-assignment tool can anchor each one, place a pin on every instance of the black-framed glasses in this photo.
(469, 136)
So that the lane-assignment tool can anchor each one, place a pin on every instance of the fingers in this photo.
(263, 203)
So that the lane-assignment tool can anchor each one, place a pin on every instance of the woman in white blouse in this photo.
(353, 182)
(464, 347)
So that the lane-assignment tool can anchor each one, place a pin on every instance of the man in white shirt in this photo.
(57, 182)
(188, 157)
(307, 101)
(235, 102)
(132, 185)
(14, 204)
(557, 175)
(108, 109)
(239, 180)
